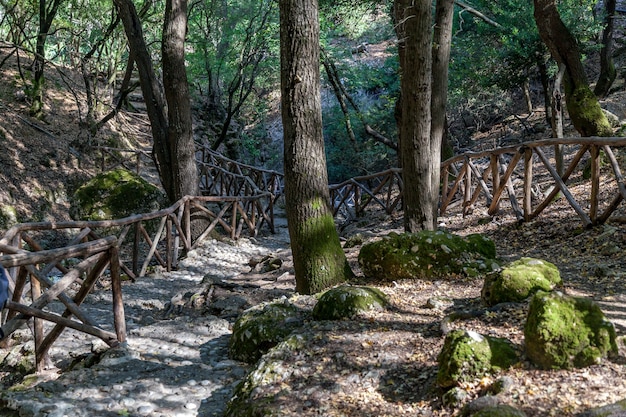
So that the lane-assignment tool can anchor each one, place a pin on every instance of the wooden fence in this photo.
(30, 271)
(152, 239)
(531, 181)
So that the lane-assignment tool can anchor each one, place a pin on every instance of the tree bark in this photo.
(442, 39)
(171, 128)
(47, 12)
(421, 158)
(319, 260)
(582, 105)
(180, 144)
(607, 67)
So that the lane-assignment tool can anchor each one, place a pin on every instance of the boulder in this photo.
(8, 216)
(563, 332)
(114, 195)
(426, 255)
(519, 280)
(501, 410)
(262, 327)
(467, 356)
(617, 409)
(347, 301)
(251, 397)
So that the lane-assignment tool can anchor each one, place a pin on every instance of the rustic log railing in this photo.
(153, 239)
(28, 267)
(531, 182)
(223, 176)
(383, 190)
(130, 159)
(524, 173)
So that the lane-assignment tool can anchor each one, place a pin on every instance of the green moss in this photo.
(519, 280)
(347, 301)
(319, 260)
(564, 332)
(467, 356)
(427, 254)
(113, 195)
(610, 410)
(249, 399)
(586, 113)
(262, 327)
(8, 216)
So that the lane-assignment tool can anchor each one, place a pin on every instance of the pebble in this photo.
(173, 367)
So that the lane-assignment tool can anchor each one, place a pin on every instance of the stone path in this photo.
(173, 365)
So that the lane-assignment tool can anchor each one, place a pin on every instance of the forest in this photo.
(445, 100)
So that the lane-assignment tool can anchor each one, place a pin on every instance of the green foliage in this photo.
(485, 57)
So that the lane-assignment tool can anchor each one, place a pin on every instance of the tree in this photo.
(582, 105)
(420, 152)
(234, 54)
(607, 66)
(319, 260)
(47, 12)
(442, 39)
(169, 110)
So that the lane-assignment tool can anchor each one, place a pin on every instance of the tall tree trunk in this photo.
(442, 38)
(47, 12)
(420, 156)
(319, 260)
(582, 105)
(178, 177)
(180, 144)
(607, 67)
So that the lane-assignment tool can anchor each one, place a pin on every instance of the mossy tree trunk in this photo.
(582, 104)
(319, 260)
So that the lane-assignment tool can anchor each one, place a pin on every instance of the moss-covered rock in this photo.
(114, 195)
(250, 398)
(519, 280)
(8, 216)
(612, 410)
(501, 410)
(563, 332)
(347, 301)
(427, 254)
(262, 327)
(467, 355)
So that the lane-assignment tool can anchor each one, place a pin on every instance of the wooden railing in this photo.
(152, 239)
(223, 176)
(30, 271)
(382, 190)
(531, 181)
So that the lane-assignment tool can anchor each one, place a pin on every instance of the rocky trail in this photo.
(175, 362)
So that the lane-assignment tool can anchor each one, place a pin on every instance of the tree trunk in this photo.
(421, 158)
(442, 38)
(582, 105)
(180, 144)
(47, 12)
(319, 260)
(607, 67)
(171, 142)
